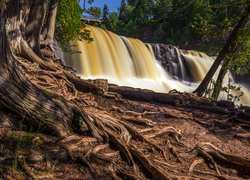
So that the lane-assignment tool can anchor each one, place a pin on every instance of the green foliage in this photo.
(212, 46)
(163, 8)
(231, 92)
(186, 23)
(105, 15)
(231, 87)
(95, 12)
(113, 20)
(200, 18)
(240, 53)
(142, 11)
(126, 22)
(68, 23)
(85, 34)
(123, 13)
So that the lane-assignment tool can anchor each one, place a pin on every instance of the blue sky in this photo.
(112, 4)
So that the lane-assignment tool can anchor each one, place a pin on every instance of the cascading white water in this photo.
(130, 62)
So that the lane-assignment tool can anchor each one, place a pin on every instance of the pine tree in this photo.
(122, 11)
(105, 16)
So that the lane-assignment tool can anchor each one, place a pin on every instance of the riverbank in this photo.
(179, 135)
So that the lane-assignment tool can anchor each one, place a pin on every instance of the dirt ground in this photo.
(202, 141)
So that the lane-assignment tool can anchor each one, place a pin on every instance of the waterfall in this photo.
(130, 62)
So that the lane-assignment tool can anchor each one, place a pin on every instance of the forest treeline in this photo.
(192, 24)
(203, 25)
(198, 24)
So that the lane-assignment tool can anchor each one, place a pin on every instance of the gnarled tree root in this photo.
(215, 152)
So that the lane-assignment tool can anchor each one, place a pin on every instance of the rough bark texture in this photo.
(235, 49)
(219, 80)
(49, 28)
(34, 26)
(17, 92)
(51, 121)
(203, 85)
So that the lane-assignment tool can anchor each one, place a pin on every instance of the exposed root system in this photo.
(120, 132)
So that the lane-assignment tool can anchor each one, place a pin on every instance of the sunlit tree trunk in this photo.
(219, 81)
(49, 28)
(203, 85)
(20, 28)
(235, 48)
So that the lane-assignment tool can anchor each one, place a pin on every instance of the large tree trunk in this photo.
(203, 85)
(34, 26)
(49, 28)
(234, 49)
(219, 81)
(16, 91)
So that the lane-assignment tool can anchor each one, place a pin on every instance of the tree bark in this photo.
(16, 91)
(49, 28)
(219, 81)
(34, 26)
(235, 48)
(203, 85)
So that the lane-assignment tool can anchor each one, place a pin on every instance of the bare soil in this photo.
(186, 142)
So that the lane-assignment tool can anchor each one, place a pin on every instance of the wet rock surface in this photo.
(173, 61)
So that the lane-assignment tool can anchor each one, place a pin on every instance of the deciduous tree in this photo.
(221, 57)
